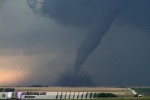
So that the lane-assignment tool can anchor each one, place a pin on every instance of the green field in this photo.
(143, 91)
(143, 98)
(121, 99)
(122, 93)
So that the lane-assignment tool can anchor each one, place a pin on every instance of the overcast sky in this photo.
(41, 43)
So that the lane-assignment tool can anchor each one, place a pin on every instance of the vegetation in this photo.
(36, 86)
(135, 98)
(100, 95)
(143, 91)
(1, 89)
(136, 95)
(9, 90)
(122, 99)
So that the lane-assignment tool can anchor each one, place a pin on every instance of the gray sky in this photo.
(41, 47)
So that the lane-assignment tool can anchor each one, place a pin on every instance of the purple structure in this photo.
(18, 95)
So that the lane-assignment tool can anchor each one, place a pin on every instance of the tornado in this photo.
(90, 43)
(103, 23)
(96, 16)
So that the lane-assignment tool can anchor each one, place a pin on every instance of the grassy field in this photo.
(123, 99)
(120, 92)
(144, 91)
(123, 93)
(135, 98)
(114, 90)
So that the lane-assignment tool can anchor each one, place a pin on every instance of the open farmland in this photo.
(122, 93)
(135, 98)
(143, 90)
(117, 91)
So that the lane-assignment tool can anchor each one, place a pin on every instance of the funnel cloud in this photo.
(75, 42)
(96, 16)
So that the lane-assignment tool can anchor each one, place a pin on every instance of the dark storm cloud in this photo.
(136, 14)
(77, 12)
(33, 45)
(96, 17)
(121, 59)
(47, 42)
